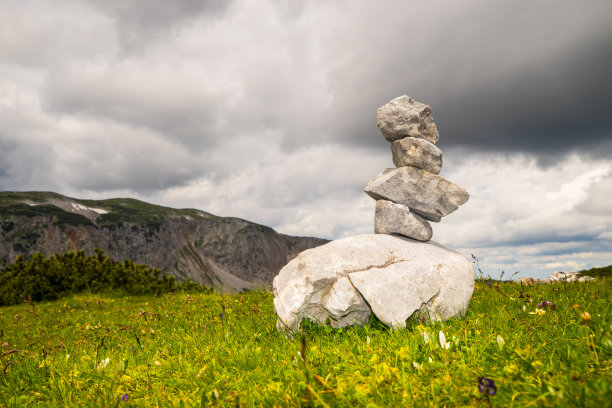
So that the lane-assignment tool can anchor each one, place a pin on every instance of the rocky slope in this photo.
(224, 252)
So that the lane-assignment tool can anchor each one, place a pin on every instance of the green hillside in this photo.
(119, 210)
(598, 272)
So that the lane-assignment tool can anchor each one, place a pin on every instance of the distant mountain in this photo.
(224, 252)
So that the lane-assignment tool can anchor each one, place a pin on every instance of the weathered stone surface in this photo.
(411, 151)
(345, 305)
(391, 275)
(404, 117)
(426, 194)
(398, 290)
(392, 218)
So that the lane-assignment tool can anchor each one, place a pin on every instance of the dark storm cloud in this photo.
(504, 77)
(551, 106)
(498, 77)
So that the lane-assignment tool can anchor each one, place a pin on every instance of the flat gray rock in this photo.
(404, 117)
(414, 152)
(392, 218)
(393, 277)
(426, 194)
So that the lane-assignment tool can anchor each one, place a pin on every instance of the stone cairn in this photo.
(396, 273)
(412, 194)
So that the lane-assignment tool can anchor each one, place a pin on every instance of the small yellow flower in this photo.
(586, 317)
(576, 306)
(540, 311)
(511, 370)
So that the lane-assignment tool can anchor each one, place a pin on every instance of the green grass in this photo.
(224, 350)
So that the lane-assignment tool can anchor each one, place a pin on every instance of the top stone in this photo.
(404, 117)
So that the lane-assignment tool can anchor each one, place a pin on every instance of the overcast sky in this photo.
(266, 110)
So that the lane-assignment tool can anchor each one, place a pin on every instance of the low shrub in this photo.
(47, 278)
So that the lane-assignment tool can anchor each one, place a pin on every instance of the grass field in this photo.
(534, 345)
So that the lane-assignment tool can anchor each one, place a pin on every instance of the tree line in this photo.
(46, 278)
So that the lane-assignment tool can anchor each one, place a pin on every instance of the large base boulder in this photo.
(342, 282)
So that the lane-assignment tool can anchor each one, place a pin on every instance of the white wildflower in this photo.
(103, 364)
(500, 342)
(443, 342)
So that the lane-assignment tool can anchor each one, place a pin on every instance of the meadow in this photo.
(542, 345)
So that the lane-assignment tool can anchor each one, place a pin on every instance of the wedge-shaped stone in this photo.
(392, 218)
(396, 291)
(404, 117)
(391, 276)
(426, 194)
(411, 151)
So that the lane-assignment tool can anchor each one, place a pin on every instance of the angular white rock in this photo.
(392, 218)
(424, 193)
(404, 117)
(398, 290)
(391, 275)
(411, 151)
(345, 305)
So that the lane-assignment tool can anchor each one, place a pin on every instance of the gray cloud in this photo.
(24, 164)
(140, 22)
(267, 109)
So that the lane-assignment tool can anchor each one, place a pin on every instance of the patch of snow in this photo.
(77, 206)
(81, 207)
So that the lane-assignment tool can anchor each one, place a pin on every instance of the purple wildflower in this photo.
(486, 385)
(547, 303)
(125, 397)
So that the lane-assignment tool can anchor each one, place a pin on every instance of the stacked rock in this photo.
(412, 194)
(390, 274)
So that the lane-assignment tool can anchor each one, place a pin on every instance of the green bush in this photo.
(606, 271)
(41, 278)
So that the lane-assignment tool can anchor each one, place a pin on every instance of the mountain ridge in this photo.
(227, 253)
